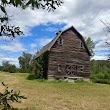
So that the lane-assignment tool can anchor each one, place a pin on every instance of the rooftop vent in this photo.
(57, 33)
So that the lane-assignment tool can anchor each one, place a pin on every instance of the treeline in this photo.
(28, 64)
(100, 71)
(7, 67)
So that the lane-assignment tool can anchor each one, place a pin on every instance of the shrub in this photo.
(38, 74)
(106, 76)
(31, 77)
(12, 69)
(1, 68)
(103, 81)
(101, 78)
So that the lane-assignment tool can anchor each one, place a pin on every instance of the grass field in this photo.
(53, 95)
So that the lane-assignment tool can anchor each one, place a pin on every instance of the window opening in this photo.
(59, 68)
(81, 68)
(81, 45)
(60, 41)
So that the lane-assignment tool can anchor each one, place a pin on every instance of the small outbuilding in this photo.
(67, 55)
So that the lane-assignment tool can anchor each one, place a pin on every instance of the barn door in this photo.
(71, 70)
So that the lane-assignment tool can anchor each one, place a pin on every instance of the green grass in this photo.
(57, 95)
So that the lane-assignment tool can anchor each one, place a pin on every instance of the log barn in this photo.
(67, 55)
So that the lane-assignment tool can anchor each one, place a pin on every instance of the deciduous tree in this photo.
(5, 65)
(107, 40)
(25, 61)
(90, 45)
(11, 31)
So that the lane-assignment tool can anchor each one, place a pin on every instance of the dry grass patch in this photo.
(51, 95)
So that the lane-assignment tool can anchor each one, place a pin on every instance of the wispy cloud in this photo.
(14, 46)
(101, 46)
(100, 57)
(33, 45)
(43, 41)
(12, 60)
(50, 29)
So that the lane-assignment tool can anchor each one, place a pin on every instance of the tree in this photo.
(38, 68)
(12, 69)
(1, 68)
(100, 71)
(11, 31)
(25, 61)
(90, 45)
(5, 65)
(107, 41)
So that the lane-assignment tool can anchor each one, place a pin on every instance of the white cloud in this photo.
(51, 29)
(100, 57)
(76, 13)
(11, 60)
(101, 46)
(14, 46)
(38, 44)
(43, 41)
(33, 45)
(1, 54)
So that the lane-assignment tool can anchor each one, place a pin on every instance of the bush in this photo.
(31, 77)
(103, 81)
(101, 78)
(38, 75)
(106, 76)
(1, 68)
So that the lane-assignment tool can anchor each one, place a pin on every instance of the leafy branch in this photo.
(11, 31)
(9, 96)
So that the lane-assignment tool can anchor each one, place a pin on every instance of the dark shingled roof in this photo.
(50, 44)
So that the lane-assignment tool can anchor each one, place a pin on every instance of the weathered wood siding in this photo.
(68, 53)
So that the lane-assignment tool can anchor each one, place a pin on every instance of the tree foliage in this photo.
(12, 69)
(90, 45)
(100, 71)
(38, 67)
(1, 68)
(25, 62)
(29, 64)
(9, 96)
(98, 66)
(11, 31)
(7, 67)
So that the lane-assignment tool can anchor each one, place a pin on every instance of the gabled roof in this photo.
(50, 44)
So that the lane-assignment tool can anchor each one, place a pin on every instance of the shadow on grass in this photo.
(30, 77)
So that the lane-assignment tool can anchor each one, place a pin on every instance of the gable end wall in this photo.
(69, 53)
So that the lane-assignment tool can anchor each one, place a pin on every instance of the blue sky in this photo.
(40, 26)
